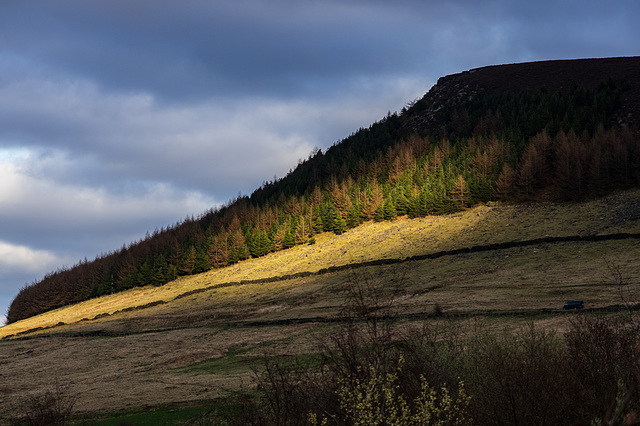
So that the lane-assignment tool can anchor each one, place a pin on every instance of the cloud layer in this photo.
(118, 117)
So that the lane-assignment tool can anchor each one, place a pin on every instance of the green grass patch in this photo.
(154, 417)
(233, 361)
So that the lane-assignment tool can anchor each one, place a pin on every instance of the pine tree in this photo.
(189, 262)
(261, 244)
(354, 216)
(378, 216)
(144, 274)
(243, 252)
(460, 192)
(160, 271)
(126, 275)
(504, 183)
(318, 225)
(570, 157)
(288, 241)
(201, 263)
(173, 260)
(339, 224)
(400, 201)
(218, 252)
(234, 256)
(389, 210)
(373, 201)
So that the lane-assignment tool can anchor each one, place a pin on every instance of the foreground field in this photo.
(197, 337)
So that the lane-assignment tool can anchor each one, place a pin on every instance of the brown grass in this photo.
(190, 350)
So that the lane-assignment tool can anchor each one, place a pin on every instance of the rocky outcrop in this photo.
(427, 114)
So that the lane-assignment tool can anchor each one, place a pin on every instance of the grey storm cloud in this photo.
(190, 50)
(121, 116)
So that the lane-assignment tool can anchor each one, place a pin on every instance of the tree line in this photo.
(509, 146)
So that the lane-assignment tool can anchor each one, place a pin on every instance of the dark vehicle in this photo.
(573, 304)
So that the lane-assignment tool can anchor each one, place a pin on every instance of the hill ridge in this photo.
(494, 144)
(453, 90)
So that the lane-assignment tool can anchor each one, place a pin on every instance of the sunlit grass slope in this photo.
(398, 239)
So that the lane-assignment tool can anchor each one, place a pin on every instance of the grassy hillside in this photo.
(561, 130)
(197, 337)
(403, 238)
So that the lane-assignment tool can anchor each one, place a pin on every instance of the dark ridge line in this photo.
(327, 320)
(455, 252)
(23, 335)
(80, 333)
(426, 315)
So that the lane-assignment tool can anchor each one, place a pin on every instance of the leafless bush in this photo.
(290, 388)
(591, 375)
(432, 351)
(618, 279)
(603, 358)
(53, 408)
(368, 335)
(517, 378)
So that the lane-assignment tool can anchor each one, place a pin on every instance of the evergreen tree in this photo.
(378, 216)
(189, 262)
(339, 224)
(389, 210)
(261, 244)
(288, 241)
(218, 252)
(144, 274)
(504, 183)
(234, 256)
(499, 144)
(201, 263)
(243, 252)
(173, 260)
(460, 192)
(160, 271)
(400, 202)
(354, 216)
(318, 225)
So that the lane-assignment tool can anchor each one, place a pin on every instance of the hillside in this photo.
(557, 130)
(192, 341)
(439, 243)
(483, 231)
(399, 242)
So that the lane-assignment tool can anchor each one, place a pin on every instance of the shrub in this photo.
(51, 409)
(373, 369)
(603, 359)
(520, 378)
(379, 401)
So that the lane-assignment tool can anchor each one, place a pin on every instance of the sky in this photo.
(118, 117)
